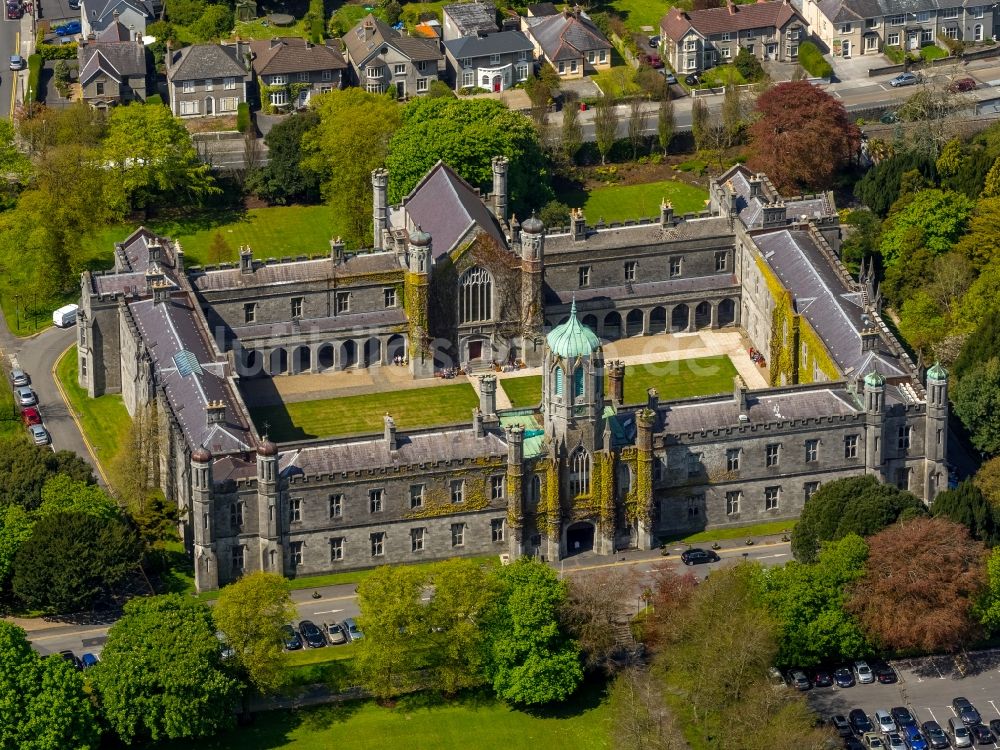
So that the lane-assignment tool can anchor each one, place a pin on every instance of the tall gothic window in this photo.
(475, 296)
(579, 472)
(559, 380)
(578, 381)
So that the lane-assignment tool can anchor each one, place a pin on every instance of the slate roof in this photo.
(751, 208)
(363, 43)
(116, 32)
(358, 455)
(106, 8)
(294, 55)
(206, 61)
(856, 10)
(832, 309)
(171, 327)
(503, 42)
(608, 238)
(538, 10)
(775, 13)
(448, 208)
(471, 18)
(132, 253)
(567, 36)
(114, 59)
(295, 272)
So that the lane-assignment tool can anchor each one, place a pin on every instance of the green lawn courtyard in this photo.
(621, 202)
(415, 407)
(523, 392)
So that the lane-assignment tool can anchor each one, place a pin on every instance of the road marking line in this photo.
(931, 713)
(995, 707)
(68, 635)
(328, 612)
(13, 80)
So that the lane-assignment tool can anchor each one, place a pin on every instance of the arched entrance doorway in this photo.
(679, 318)
(579, 538)
(658, 320)
(703, 315)
(612, 325)
(727, 312)
(633, 323)
(396, 347)
(497, 83)
(325, 358)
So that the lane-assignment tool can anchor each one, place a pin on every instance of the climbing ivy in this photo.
(415, 296)
(437, 498)
(816, 356)
(292, 89)
(515, 490)
(604, 489)
(553, 510)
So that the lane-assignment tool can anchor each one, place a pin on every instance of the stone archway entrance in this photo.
(579, 538)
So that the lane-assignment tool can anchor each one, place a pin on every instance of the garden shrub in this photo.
(813, 61)
(243, 117)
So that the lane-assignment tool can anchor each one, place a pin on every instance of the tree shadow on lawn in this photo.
(589, 696)
(203, 221)
(320, 718)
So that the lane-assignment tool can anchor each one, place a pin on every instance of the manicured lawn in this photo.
(932, 52)
(522, 392)
(639, 13)
(679, 379)
(621, 202)
(417, 407)
(332, 666)
(10, 417)
(721, 75)
(619, 80)
(425, 722)
(104, 419)
(741, 532)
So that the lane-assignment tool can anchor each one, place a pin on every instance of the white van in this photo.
(65, 316)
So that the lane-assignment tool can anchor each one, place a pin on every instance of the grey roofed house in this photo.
(469, 19)
(200, 61)
(567, 35)
(112, 67)
(207, 79)
(97, 15)
(448, 208)
(856, 10)
(364, 41)
(503, 42)
(286, 55)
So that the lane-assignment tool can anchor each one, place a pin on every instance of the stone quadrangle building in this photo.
(452, 278)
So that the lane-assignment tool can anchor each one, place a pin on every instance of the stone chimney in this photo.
(775, 215)
(666, 214)
(732, 8)
(756, 186)
(488, 395)
(161, 291)
(477, 423)
(215, 412)
(336, 250)
(155, 251)
(246, 259)
(740, 394)
(515, 230)
(652, 399)
(274, 42)
(380, 213)
(391, 443)
(616, 378)
(369, 28)
(869, 339)
(500, 164)
(578, 225)
(178, 256)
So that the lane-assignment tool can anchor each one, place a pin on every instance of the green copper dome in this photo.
(874, 379)
(572, 338)
(937, 372)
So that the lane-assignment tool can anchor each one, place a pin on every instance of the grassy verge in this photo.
(721, 76)
(682, 378)
(104, 420)
(523, 392)
(621, 202)
(10, 417)
(332, 666)
(739, 532)
(416, 407)
(619, 80)
(639, 13)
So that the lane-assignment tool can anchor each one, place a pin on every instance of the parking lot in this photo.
(926, 687)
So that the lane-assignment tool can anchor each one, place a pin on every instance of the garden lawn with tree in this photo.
(621, 202)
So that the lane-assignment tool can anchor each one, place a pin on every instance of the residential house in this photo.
(698, 39)
(865, 27)
(469, 19)
(113, 67)
(491, 61)
(290, 70)
(537, 10)
(97, 15)
(207, 80)
(569, 41)
(382, 59)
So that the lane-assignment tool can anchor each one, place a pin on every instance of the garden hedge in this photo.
(34, 77)
(243, 117)
(812, 60)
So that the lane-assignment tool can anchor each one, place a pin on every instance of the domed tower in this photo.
(573, 385)
(936, 432)
(202, 520)
(269, 514)
(874, 421)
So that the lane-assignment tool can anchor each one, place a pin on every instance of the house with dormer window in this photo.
(568, 41)
(207, 80)
(381, 59)
(113, 67)
(494, 62)
(291, 70)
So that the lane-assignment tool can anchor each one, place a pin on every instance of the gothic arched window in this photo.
(578, 381)
(579, 472)
(559, 380)
(475, 296)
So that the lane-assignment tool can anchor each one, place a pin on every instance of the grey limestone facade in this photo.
(452, 278)
(207, 80)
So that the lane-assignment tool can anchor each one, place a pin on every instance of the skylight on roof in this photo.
(186, 363)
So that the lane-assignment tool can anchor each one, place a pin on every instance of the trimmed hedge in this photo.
(812, 60)
(154, 99)
(243, 117)
(34, 77)
(57, 51)
(896, 54)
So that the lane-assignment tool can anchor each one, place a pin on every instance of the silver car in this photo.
(26, 396)
(19, 378)
(884, 721)
(905, 79)
(353, 633)
(335, 633)
(864, 673)
(39, 434)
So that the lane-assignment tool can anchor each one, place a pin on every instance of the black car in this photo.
(823, 679)
(841, 725)
(697, 555)
(853, 743)
(860, 722)
(292, 640)
(982, 734)
(692, 80)
(935, 735)
(966, 711)
(312, 635)
(844, 677)
(72, 659)
(903, 717)
(995, 726)
(884, 673)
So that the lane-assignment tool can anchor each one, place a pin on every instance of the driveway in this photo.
(856, 68)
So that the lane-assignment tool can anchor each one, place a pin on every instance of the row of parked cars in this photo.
(898, 729)
(314, 636)
(27, 401)
(86, 661)
(859, 673)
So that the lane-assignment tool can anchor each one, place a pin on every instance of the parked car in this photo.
(654, 61)
(335, 633)
(982, 734)
(19, 377)
(894, 741)
(914, 740)
(669, 77)
(26, 396)
(960, 735)
(864, 673)
(697, 555)
(654, 42)
(853, 743)
(351, 627)
(292, 640)
(74, 4)
(799, 680)
(903, 717)
(860, 721)
(14, 11)
(68, 29)
(822, 679)
(884, 673)
(995, 726)
(884, 721)
(966, 711)
(72, 659)
(692, 79)
(935, 735)
(905, 79)
(841, 725)
(889, 118)
(843, 677)
(89, 660)
(17, 62)
(39, 434)
(311, 634)
(962, 84)
(30, 416)
(873, 741)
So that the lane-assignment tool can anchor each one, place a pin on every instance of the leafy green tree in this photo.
(151, 156)
(987, 479)
(572, 133)
(27, 467)
(216, 22)
(72, 558)
(43, 705)
(807, 600)
(14, 165)
(63, 494)
(700, 124)
(16, 525)
(463, 593)
(466, 134)
(605, 126)
(530, 660)
(185, 12)
(977, 402)
(967, 505)
(922, 321)
(981, 243)
(987, 608)
(861, 239)
(351, 140)
(250, 614)
(933, 219)
(880, 187)
(393, 620)
(284, 179)
(554, 214)
(161, 674)
(665, 124)
(748, 66)
(982, 300)
(855, 505)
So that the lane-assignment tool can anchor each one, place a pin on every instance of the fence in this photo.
(980, 54)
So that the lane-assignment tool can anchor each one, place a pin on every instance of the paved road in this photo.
(9, 41)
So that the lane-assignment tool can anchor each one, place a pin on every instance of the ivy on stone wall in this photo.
(515, 490)
(553, 509)
(817, 356)
(292, 91)
(604, 490)
(415, 296)
(437, 499)
(781, 350)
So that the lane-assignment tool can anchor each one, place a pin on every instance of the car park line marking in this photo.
(995, 707)
(933, 717)
(329, 612)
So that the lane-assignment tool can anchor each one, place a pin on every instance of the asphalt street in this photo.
(9, 43)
